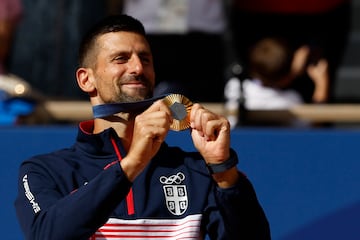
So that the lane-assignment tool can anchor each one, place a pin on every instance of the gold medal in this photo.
(180, 107)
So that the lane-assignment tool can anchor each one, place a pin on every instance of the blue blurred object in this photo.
(13, 108)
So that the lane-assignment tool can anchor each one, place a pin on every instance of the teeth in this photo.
(180, 107)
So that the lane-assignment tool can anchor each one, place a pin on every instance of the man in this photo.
(120, 180)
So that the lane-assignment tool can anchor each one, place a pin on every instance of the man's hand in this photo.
(210, 134)
(150, 130)
(319, 74)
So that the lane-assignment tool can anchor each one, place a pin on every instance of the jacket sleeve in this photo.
(44, 213)
(241, 212)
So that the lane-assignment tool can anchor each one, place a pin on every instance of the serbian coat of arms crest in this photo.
(175, 193)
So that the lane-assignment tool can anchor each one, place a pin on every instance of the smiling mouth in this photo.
(134, 85)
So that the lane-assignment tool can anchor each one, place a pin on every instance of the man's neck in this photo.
(122, 123)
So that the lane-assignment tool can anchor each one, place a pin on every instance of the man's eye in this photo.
(145, 60)
(120, 59)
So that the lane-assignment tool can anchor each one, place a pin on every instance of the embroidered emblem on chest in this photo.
(175, 193)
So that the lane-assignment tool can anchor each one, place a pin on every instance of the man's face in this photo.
(124, 69)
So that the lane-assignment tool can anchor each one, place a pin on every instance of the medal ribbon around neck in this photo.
(180, 107)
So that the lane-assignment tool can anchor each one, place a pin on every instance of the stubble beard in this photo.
(142, 94)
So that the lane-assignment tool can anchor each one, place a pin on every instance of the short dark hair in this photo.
(270, 59)
(112, 23)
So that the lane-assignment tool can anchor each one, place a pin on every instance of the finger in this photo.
(159, 105)
(195, 118)
(217, 127)
(193, 111)
(205, 122)
(156, 133)
(156, 119)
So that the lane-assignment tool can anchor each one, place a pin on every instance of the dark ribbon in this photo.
(109, 109)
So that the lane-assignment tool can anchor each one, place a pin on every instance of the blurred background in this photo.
(43, 52)
(347, 87)
(303, 160)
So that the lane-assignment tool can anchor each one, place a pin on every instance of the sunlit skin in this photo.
(123, 72)
(123, 69)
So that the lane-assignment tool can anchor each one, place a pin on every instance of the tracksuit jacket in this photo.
(81, 192)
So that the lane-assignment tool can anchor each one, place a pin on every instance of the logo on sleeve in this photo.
(29, 195)
(175, 193)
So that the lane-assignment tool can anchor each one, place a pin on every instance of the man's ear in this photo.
(85, 80)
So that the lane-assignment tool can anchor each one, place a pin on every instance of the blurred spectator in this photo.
(320, 24)
(190, 34)
(273, 66)
(46, 43)
(13, 105)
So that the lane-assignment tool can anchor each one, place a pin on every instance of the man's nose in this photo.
(136, 65)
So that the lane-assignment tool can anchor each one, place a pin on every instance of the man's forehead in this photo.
(122, 35)
(123, 39)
